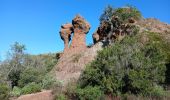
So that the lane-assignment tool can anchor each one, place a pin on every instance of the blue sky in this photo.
(36, 23)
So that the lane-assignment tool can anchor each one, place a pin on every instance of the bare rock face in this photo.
(79, 28)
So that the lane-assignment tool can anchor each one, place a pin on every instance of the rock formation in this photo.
(76, 54)
(109, 31)
(79, 27)
(65, 34)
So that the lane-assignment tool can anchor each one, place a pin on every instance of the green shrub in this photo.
(4, 91)
(123, 13)
(31, 88)
(89, 93)
(50, 61)
(127, 13)
(165, 47)
(158, 91)
(61, 97)
(161, 43)
(30, 75)
(48, 82)
(16, 91)
(126, 67)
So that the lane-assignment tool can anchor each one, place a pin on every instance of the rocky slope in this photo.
(154, 25)
(76, 55)
(74, 58)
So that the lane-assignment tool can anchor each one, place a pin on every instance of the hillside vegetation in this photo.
(135, 66)
(22, 73)
(130, 59)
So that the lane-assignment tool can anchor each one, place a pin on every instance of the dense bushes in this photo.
(25, 72)
(31, 88)
(74, 92)
(126, 67)
(127, 13)
(49, 82)
(27, 89)
(165, 47)
(4, 91)
(16, 91)
(123, 13)
(30, 75)
(89, 93)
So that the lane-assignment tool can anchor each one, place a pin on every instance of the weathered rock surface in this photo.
(79, 28)
(65, 34)
(109, 31)
(70, 66)
(77, 55)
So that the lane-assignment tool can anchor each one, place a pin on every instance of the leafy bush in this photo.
(50, 61)
(61, 97)
(89, 93)
(158, 91)
(4, 91)
(123, 13)
(31, 88)
(165, 47)
(16, 91)
(127, 13)
(30, 75)
(126, 67)
(48, 82)
(14, 63)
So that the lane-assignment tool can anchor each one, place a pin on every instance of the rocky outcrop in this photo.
(112, 30)
(79, 28)
(76, 54)
(154, 25)
(71, 65)
(65, 34)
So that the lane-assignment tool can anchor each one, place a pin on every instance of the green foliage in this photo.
(15, 63)
(14, 76)
(107, 14)
(30, 75)
(4, 91)
(48, 82)
(127, 13)
(61, 97)
(43, 62)
(161, 43)
(21, 68)
(158, 91)
(31, 88)
(165, 48)
(16, 91)
(89, 93)
(126, 67)
(124, 13)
